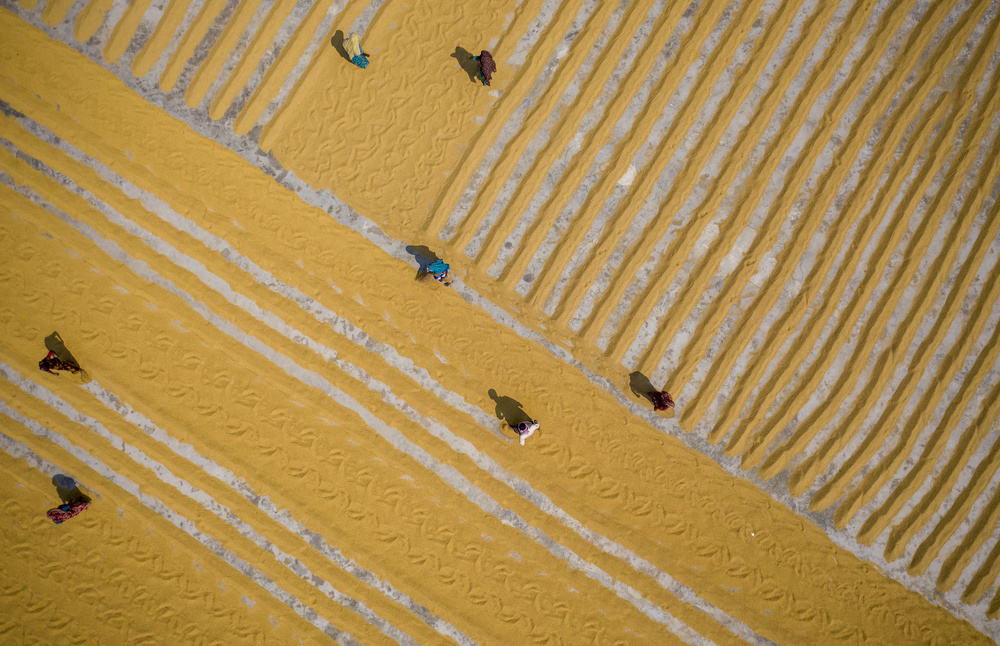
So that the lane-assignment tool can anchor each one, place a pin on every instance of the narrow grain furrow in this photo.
(89, 20)
(609, 309)
(264, 60)
(863, 339)
(219, 13)
(476, 160)
(608, 70)
(859, 410)
(174, 60)
(851, 221)
(143, 31)
(625, 91)
(536, 138)
(509, 146)
(947, 371)
(796, 377)
(236, 53)
(787, 258)
(981, 525)
(190, 26)
(637, 327)
(984, 577)
(931, 546)
(680, 81)
(769, 212)
(209, 69)
(164, 29)
(55, 10)
(554, 230)
(263, 50)
(288, 65)
(122, 24)
(714, 120)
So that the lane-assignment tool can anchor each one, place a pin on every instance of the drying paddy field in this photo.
(782, 211)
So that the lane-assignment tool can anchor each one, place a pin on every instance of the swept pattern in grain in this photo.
(785, 211)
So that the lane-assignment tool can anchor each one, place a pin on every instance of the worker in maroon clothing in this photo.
(661, 400)
(487, 66)
(52, 362)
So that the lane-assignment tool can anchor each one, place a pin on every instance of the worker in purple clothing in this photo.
(487, 66)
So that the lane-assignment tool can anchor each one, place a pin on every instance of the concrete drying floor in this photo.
(785, 212)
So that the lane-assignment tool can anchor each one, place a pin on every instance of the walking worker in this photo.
(52, 362)
(439, 270)
(661, 400)
(487, 66)
(354, 51)
(67, 510)
(526, 429)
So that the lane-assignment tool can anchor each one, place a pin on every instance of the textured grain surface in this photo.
(784, 211)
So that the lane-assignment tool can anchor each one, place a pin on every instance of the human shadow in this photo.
(68, 489)
(424, 257)
(640, 385)
(509, 409)
(337, 41)
(54, 343)
(465, 59)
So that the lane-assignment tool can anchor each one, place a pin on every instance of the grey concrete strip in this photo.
(21, 451)
(648, 150)
(318, 40)
(142, 33)
(236, 53)
(156, 71)
(201, 53)
(284, 35)
(542, 136)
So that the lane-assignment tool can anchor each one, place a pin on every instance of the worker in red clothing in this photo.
(661, 400)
